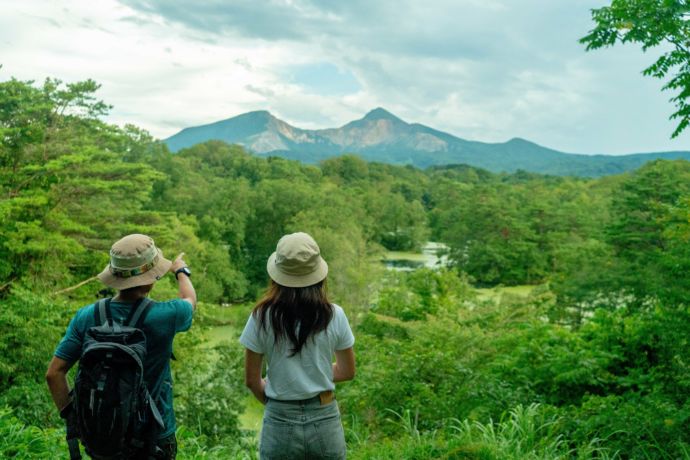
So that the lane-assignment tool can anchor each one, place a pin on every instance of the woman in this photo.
(298, 331)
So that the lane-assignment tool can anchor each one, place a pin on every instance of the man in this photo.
(135, 265)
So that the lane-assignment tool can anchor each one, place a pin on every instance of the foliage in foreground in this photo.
(525, 433)
(20, 441)
(27, 442)
(618, 383)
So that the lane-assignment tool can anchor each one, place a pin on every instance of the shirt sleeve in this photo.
(183, 315)
(70, 346)
(346, 338)
(250, 337)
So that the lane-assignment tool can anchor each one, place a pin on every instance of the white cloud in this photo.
(484, 70)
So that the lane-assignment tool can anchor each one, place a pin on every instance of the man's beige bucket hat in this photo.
(134, 261)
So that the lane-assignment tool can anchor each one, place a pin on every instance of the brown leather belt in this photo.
(325, 397)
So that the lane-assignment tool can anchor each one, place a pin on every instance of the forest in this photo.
(591, 362)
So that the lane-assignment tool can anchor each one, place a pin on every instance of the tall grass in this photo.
(523, 433)
(20, 441)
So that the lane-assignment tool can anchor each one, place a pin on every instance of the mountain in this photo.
(383, 137)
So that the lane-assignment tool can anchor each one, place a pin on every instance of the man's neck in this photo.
(128, 299)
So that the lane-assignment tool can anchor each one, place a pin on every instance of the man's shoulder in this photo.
(85, 314)
(173, 304)
(174, 308)
(179, 311)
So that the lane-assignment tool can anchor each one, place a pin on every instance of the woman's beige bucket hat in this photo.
(297, 261)
(134, 261)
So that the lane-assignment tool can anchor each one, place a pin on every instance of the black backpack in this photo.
(116, 416)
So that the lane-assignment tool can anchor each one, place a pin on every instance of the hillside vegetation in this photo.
(591, 364)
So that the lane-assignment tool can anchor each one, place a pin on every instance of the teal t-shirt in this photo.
(163, 321)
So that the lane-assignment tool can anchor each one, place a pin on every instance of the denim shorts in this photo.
(301, 430)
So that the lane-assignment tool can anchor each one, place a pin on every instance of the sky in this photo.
(486, 70)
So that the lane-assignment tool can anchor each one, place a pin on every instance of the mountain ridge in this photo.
(382, 136)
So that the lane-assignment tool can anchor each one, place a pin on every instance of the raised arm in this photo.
(186, 289)
(344, 366)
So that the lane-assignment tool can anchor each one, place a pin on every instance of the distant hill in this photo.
(383, 137)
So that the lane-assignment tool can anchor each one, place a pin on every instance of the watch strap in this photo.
(184, 270)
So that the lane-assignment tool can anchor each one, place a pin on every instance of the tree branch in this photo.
(76, 286)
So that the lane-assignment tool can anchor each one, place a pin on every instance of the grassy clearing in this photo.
(496, 294)
(403, 255)
(214, 335)
(217, 315)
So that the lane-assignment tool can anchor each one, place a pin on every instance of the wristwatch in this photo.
(184, 270)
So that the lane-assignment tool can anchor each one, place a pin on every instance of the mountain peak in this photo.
(379, 113)
(518, 140)
(258, 114)
(248, 118)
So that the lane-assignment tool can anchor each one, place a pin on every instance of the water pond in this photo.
(433, 255)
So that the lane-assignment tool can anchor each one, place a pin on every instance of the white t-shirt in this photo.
(310, 371)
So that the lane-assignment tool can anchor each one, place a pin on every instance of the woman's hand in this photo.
(252, 375)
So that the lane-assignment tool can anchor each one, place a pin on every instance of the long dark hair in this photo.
(306, 308)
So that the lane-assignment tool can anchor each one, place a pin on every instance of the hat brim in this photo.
(294, 280)
(144, 279)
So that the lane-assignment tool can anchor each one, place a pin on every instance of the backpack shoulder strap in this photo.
(154, 409)
(102, 312)
(139, 312)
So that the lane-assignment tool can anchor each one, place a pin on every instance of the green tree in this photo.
(642, 212)
(398, 225)
(651, 23)
(64, 191)
(346, 168)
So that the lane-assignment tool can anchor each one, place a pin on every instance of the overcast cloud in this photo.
(485, 70)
